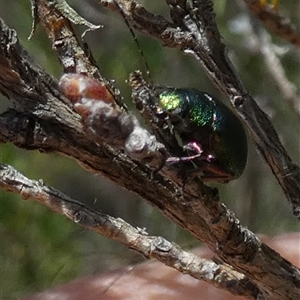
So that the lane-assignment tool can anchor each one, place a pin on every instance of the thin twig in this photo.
(274, 66)
(287, 89)
(218, 274)
(275, 21)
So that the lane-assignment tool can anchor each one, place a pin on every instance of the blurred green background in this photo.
(40, 249)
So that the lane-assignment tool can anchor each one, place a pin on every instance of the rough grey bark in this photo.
(44, 119)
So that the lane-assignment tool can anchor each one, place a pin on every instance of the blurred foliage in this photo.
(40, 249)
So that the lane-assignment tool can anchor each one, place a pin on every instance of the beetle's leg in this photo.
(211, 172)
(194, 147)
(197, 148)
(208, 169)
(216, 174)
(175, 160)
(191, 147)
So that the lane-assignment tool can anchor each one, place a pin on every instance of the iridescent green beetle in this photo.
(208, 131)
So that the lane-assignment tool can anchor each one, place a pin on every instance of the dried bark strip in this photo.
(275, 21)
(220, 275)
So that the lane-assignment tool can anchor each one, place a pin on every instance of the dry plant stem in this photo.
(66, 44)
(220, 275)
(64, 41)
(263, 41)
(274, 21)
(276, 70)
(198, 36)
(45, 121)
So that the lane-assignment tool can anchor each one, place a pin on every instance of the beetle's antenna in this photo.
(135, 40)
